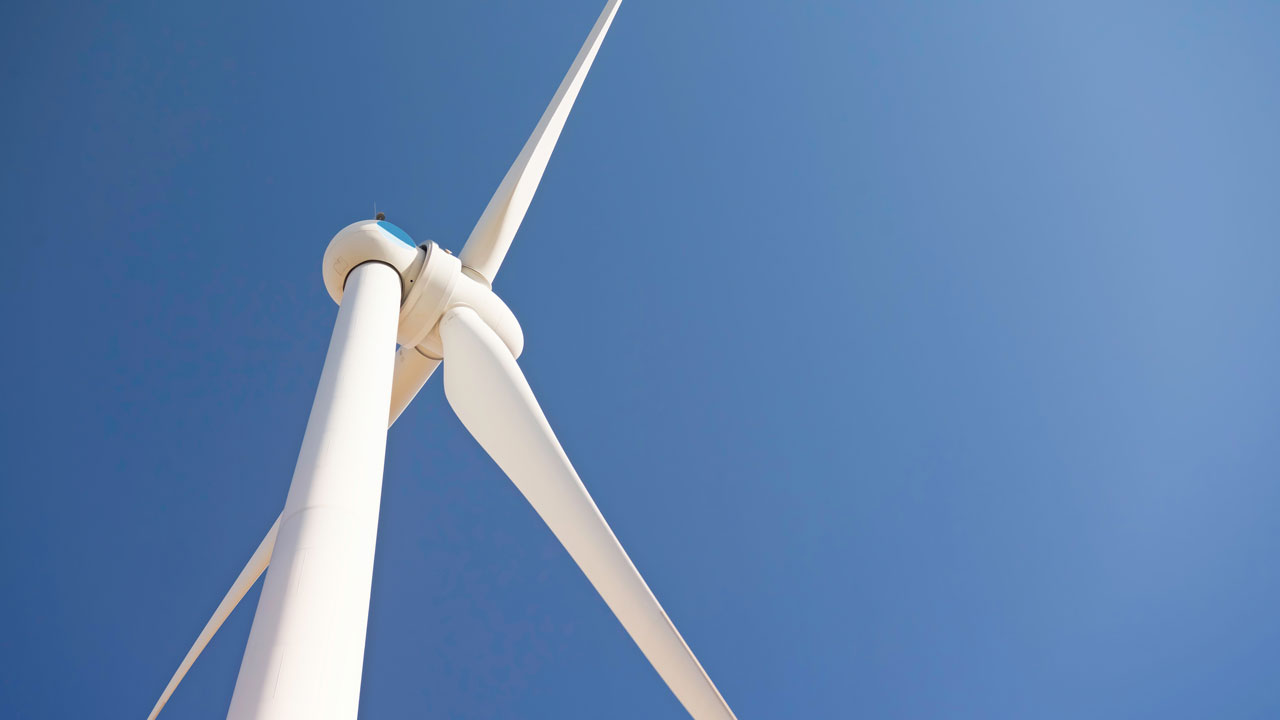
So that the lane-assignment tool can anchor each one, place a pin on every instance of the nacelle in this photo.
(431, 282)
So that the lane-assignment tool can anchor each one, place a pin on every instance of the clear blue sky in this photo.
(923, 356)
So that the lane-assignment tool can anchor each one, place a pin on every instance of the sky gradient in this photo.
(923, 356)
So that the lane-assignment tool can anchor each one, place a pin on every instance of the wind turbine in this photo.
(306, 648)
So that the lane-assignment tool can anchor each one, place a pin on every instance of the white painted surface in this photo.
(306, 648)
(491, 238)
(487, 390)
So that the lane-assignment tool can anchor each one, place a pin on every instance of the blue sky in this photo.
(923, 356)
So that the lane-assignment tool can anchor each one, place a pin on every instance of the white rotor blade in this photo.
(413, 369)
(484, 385)
(491, 238)
(248, 576)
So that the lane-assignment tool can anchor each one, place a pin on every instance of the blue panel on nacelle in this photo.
(401, 235)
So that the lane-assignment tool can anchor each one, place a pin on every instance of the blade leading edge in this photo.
(491, 238)
(248, 576)
(491, 397)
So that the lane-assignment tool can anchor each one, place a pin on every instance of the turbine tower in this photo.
(305, 650)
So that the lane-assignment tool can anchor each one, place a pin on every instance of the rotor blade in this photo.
(491, 238)
(484, 385)
(413, 369)
(248, 576)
